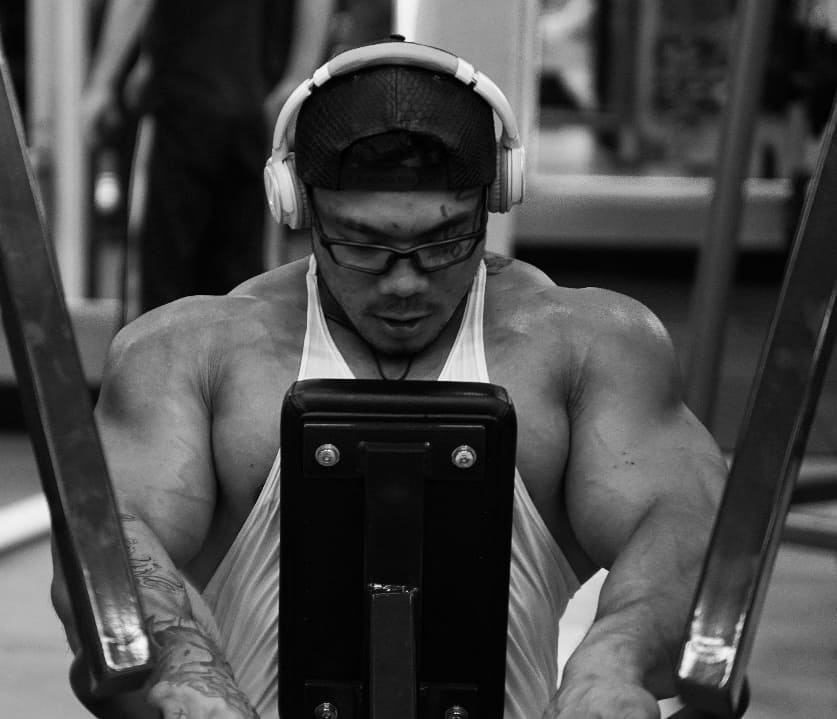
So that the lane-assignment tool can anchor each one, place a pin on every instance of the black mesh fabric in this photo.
(387, 99)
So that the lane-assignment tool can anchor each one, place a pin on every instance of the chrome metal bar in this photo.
(59, 416)
(749, 525)
(717, 259)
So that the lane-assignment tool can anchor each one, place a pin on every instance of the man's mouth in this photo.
(405, 322)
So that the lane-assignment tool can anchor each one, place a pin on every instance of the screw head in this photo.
(456, 712)
(464, 457)
(327, 455)
(326, 710)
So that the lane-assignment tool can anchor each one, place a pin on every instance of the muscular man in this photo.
(613, 469)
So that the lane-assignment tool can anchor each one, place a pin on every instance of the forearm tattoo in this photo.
(147, 572)
(187, 657)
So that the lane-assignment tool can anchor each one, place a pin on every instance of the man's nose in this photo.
(404, 279)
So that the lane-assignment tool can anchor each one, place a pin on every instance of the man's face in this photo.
(402, 310)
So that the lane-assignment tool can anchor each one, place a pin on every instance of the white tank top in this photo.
(243, 594)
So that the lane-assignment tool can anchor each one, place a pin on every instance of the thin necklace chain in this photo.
(343, 320)
(350, 327)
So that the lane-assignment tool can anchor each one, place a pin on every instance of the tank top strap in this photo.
(466, 361)
(320, 356)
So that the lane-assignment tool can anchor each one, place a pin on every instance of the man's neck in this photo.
(390, 366)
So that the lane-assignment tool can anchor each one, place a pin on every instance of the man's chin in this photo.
(399, 349)
(389, 346)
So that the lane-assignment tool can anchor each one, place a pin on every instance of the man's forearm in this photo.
(185, 653)
(159, 582)
(644, 604)
(182, 644)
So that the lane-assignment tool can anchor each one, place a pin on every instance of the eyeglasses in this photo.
(378, 259)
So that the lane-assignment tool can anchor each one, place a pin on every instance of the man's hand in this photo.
(600, 697)
(191, 679)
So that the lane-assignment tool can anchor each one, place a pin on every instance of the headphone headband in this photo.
(398, 53)
(285, 193)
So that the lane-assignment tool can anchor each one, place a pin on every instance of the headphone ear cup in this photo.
(304, 204)
(516, 176)
(498, 192)
(285, 194)
(271, 191)
(507, 189)
(302, 216)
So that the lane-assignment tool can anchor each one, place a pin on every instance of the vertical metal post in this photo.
(717, 258)
(622, 75)
(499, 38)
(71, 172)
(40, 131)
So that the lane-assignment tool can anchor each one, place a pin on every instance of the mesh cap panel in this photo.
(387, 99)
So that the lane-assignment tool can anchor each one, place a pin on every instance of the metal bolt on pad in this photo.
(456, 712)
(327, 455)
(464, 457)
(326, 710)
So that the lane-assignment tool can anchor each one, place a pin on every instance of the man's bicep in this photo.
(155, 431)
(612, 485)
(636, 449)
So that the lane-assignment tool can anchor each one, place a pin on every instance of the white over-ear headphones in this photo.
(286, 193)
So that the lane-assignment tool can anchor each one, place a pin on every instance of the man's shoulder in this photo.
(620, 338)
(199, 327)
(525, 291)
(188, 319)
(526, 301)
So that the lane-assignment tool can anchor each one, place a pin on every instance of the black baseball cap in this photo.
(395, 127)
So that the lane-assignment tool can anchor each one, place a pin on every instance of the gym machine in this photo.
(396, 504)
(59, 416)
(766, 463)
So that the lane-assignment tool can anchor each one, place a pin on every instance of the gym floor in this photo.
(795, 655)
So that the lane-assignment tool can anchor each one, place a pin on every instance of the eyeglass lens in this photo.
(429, 257)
